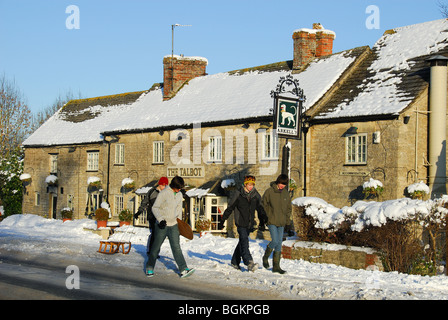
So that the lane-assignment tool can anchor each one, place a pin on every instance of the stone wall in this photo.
(350, 257)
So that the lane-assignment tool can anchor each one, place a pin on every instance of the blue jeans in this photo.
(276, 236)
(159, 237)
(242, 249)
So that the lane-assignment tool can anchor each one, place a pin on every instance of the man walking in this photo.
(167, 209)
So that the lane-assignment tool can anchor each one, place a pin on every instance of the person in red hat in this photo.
(147, 204)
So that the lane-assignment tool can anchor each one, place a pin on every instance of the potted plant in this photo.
(66, 214)
(101, 216)
(372, 188)
(202, 225)
(125, 217)
(418, 190)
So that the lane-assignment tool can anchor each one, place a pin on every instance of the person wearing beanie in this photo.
(146, 205)
(243, 204)
(277, 203)
(167, 209)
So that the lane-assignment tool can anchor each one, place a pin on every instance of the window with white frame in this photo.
(119, 204)
(53, 163)
(356, 149)
(158, 152)
(92, 160)
(215, 149)
(270, 146)
(119, 153)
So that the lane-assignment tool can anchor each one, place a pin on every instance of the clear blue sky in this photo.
(120, 45)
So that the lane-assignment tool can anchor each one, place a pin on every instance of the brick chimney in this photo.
(310, 44)
(177, 70)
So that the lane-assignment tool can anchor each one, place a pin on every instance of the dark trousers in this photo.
(159, 237)
(152, 223)
(242, 249)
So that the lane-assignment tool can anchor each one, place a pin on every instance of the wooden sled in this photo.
(111, 247)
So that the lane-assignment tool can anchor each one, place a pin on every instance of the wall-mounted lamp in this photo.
(114, 138)
(352, 130)
(406, 119)
(161, 132)
(265, 125)
(181, 136)
(245, 126)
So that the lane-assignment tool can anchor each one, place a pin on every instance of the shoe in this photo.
(187, 272)
(276, 268)
(237, 267)
(252, 266)
(267, 253)
(150, 273)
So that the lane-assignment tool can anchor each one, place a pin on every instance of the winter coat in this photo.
(244, 204)
(168, 206)
(277, 204)
(147, 204)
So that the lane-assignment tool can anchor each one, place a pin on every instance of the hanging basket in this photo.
(128, 184)
(51, 180)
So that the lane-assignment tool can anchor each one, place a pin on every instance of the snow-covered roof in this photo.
(207, 99)
(386, 82)
(394, 73)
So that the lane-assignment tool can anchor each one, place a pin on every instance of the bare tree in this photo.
(40, 117)
(443, 7)
(15, 118)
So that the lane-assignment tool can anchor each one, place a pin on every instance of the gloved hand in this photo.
(221, 224)
(139, 212)
(162, 224)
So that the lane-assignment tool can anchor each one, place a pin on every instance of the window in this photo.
(158, 152)
(356, 149)
(92, 160)
(119, 205)
(270, 146)
(215, 149)
(119, 153)
(37, 199)
(70, 201)
(53, 163)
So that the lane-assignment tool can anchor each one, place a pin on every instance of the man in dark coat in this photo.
(243, 204)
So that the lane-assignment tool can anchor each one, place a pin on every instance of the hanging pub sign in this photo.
(287, 117)
(288, 110)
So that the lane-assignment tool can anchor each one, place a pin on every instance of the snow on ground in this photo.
(210, 256)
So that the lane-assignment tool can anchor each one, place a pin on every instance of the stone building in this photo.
(367, 115)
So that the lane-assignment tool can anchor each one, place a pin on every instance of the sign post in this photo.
(288, 118)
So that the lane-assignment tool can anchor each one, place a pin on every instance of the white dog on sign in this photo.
(286, 116)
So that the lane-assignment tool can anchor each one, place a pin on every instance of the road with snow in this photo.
(41, 277)
(35, 253)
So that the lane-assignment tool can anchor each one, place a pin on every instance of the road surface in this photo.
(41, 277)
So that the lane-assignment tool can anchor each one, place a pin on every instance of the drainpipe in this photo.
(437, 125)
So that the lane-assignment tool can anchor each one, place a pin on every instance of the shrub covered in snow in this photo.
(390, 227)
